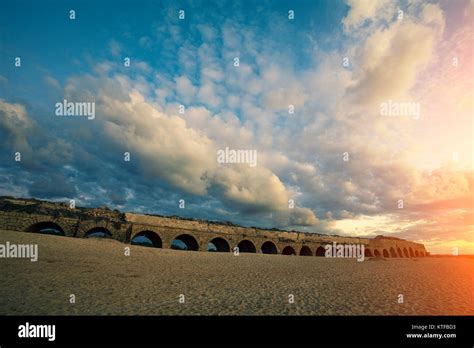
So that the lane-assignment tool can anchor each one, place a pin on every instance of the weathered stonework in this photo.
(31, 215)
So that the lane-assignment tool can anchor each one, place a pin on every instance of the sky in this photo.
(337, 163)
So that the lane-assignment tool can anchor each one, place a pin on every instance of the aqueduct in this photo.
(30, 215)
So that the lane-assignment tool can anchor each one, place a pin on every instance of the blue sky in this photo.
(190, 62)
(50, 43)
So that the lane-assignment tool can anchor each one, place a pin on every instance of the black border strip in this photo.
(208, 330)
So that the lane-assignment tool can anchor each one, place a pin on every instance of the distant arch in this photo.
(385, 253)
(393, 253)
(46, 227)
(376, 253)
(269, 248)
(219, 245)
(98, 232)
(417, 254)
(305, 251)
(147, 238)
(405, 252)
(367, 253)
(246, 246)
(288, 250)
(185, 242)
(399, 251)
(320, 251)
(411, 252)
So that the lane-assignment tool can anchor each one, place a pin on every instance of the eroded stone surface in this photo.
(25, 214)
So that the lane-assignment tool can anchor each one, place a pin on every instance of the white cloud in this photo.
(208, 94)
(185, 87)
(392, 57)
(362, 10)
(16, 125)
(182, 150)
(281, 98)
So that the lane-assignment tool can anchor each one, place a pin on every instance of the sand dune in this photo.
(150, 281)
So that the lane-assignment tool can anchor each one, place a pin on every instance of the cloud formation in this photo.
(344, 165)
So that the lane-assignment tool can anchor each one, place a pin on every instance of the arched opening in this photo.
(269, 248)
(148, 239)
(46, 227)
(399, 251)
(411, 252)
(367, 253)
(417, 254)
(376, 253)
(320, 251)
(385, 253)
(306, 251)
(288, 251)
(185, 242)
(246, 246)
(219, 245)
(405, 252)
(393, 253)
(98, 232)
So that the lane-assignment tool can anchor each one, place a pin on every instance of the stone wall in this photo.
(33, 215)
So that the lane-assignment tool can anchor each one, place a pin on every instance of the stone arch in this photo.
(221, 245)
(246, 246)
(376, 253)
(153, 238)
(46, 227)
(399, 252)
(417, 254)
(305, 251)
(405, 252)
(189, 241)
(98, 232)
(393, 253)
(411, 252)
(320, 251)
(269, 248)
(367, 253)
(288, 250)
(385, 253)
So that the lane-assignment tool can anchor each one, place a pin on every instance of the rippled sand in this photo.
(150, 281)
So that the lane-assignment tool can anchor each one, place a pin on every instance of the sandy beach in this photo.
(150, 281)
